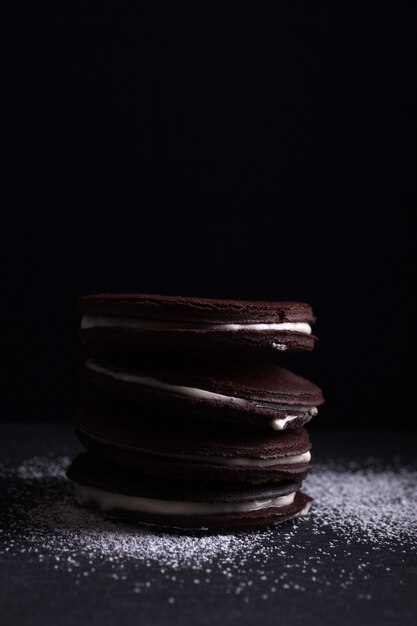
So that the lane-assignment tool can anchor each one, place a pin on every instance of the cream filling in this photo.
(110, 321)
(201, 394)
(107, 501)
(280, 423)
(305, 457)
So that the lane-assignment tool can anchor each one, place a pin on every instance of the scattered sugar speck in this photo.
(368, 505)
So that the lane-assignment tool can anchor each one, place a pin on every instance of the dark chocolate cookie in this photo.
(162, 446)
(184, 326)
(180, 504)
(261, 394)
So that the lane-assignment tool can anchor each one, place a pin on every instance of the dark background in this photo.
(241, 150)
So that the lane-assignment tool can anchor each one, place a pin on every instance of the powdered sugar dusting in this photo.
(366, 502)
(368, 505)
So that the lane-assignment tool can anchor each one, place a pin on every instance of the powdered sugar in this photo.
(369, 505)
(366, 502)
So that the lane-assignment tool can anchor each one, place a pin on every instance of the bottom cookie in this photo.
(177, 504)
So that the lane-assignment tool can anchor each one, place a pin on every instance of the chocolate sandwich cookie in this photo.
(179, 325)
(260, 394)
(168, 448)
(179, 504)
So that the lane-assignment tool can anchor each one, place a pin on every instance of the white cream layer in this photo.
(280, 423)
(107, 501)
(110, 321)
(194, 392)
(305, 457)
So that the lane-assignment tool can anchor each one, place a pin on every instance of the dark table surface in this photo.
(295, 574)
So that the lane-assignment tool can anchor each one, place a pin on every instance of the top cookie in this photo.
(180, 325)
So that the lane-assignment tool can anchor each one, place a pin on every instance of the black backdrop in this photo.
(250, 150)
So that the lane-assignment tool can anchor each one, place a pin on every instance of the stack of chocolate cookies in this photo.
(187, 419)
